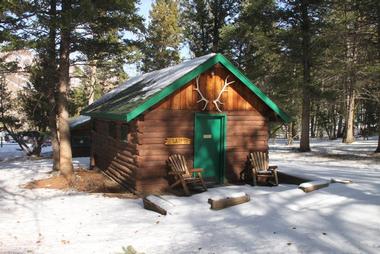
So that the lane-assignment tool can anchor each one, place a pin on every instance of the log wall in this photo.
(247, 131)
(118, 160)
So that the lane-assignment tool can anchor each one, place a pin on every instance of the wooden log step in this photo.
(343, 181)
(313, 185)
(157, 204)
(218, 203)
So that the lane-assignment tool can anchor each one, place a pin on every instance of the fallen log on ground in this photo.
(314, 185)
(343, 181)
(157, 204)
(218, 203)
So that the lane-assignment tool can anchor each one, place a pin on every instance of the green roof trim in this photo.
(182, 81)
(172, 88)
(226, 63)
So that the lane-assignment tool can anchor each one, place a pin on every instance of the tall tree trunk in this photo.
(289, 134)
(351, 64)
(349, 131)
(378, 143)
(313, 125)
(333, 119)
(52, 117)
(305, 121)
(294, 130)
(378, 58)
(93, 70)
(215, 38)
(52, 71)
(378, 131)
(65, 156)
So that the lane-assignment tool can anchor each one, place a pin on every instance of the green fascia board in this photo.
(226, 63)
(218, 58)
(172, 88)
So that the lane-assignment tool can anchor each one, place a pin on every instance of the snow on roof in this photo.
(78, 121)
(140, 88)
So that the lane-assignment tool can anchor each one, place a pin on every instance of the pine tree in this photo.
(164, 35)
(98, 18)
(73, 27)
(303, 20)
(370, 74)
(8, 120)
(204, 20)
(253, 44)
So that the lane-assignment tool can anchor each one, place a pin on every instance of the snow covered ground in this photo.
(9, 151)
(338, 219)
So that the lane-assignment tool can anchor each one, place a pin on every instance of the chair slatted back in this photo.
(178, 163)
(259, 160)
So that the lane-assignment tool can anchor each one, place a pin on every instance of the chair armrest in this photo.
(272, 167)
(196, 170)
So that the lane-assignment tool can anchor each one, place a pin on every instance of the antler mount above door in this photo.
(215, 101)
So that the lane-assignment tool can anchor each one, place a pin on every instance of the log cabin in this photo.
(204, 109)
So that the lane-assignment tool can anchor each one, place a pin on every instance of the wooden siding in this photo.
(247, 131)
(236, 98)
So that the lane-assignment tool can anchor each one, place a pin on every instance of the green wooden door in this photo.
(209, 145)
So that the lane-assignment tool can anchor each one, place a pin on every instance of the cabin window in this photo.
(112, 130)
(124, 133)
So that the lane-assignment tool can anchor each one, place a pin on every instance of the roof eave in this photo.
(167, 91)
(107, 116)
(277, 110)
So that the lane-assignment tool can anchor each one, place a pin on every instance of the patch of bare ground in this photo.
(83, 180)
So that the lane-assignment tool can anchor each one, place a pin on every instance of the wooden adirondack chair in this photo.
(261, 171)
(183, 175)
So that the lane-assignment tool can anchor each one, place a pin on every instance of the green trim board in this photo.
(137, 109)
(210, 145)
(179, 83)
(226, 63)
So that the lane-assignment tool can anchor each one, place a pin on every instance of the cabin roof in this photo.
(135, 96)
(78, 121)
